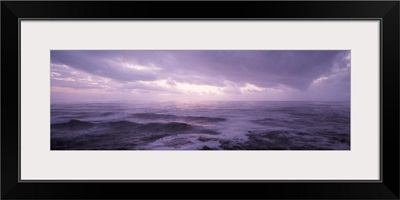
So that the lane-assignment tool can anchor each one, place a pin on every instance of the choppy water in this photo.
(201, 126)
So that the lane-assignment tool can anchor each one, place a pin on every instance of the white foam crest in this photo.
(185, 142)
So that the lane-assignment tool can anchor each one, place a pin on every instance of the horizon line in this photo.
(162, 101)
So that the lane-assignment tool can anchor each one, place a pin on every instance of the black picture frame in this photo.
(386, 11)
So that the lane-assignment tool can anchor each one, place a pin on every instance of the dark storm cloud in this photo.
(294, 69)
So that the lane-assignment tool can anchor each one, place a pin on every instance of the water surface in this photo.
(219, 125)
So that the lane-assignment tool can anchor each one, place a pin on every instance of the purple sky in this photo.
(180, 75)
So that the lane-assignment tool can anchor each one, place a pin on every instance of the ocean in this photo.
(207, 125)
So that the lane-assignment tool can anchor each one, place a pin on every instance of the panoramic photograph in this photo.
(200, 99)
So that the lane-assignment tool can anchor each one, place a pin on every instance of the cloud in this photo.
(207, 72)
(99, 64)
